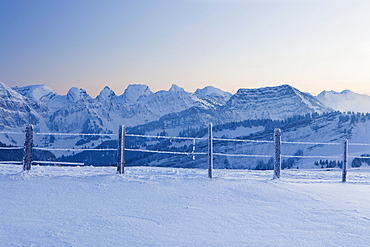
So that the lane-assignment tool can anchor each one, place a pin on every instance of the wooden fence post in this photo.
(121, 150)
(345, 161)
(193, 149)
(277, 155)
(210, 151)
(27, 151)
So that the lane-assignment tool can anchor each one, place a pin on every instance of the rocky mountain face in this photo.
(16, 111)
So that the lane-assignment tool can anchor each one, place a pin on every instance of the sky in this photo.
(230, 44)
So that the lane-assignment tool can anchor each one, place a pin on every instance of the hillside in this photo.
(331, 127)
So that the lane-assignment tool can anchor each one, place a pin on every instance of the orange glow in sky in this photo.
(311, 45)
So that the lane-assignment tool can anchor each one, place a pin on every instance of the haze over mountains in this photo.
(345, 101)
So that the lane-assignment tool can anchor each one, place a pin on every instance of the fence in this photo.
(277, 156)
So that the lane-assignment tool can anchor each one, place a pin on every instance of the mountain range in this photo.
(77, 112)
(176, 112)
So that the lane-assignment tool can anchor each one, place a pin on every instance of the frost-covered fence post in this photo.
(193, 149)
(121, 150)
(345, 160)
(210, 151)
(277, 155)
(27, 151)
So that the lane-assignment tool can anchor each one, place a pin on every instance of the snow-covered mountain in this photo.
(272, 102)
(345, 101)
(174, 110)
(213, 95)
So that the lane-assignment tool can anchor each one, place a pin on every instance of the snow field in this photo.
(147, 206)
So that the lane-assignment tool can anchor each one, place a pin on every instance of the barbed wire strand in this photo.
(166, 137)
(244, 155)
(313, 143)
(240, 140)
(358, 144)
(162, 152)
(59, 134)
(10, 148)
(74, 134)
(313, 156)
(76, 149)
(59, 162)
(11, 132)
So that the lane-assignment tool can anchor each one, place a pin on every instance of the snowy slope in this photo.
(345, 101)
(16, 112)
(326, 128)
(86, 206)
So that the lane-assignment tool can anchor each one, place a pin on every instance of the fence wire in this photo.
(12, 132)
(312, 143)
(163, 152)
(166, 137)
(76, 149)
(359, 157)
(313, 156)
(74, 134)
(59, 134)
(183, 138)
(241, 140)
(244, 155)
(11, 148)
(358, 144)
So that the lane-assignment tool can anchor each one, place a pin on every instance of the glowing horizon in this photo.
(310, 45)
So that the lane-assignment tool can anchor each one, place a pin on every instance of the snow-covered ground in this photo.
(93, 206)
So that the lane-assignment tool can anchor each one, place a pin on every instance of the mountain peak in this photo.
(75, 94)
(37, 93)
(347, 91)
(106, 94)
(175, 88)
(214, 95)
(209, 90)
(134, 91)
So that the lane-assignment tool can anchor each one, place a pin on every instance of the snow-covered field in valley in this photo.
(93, 206)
